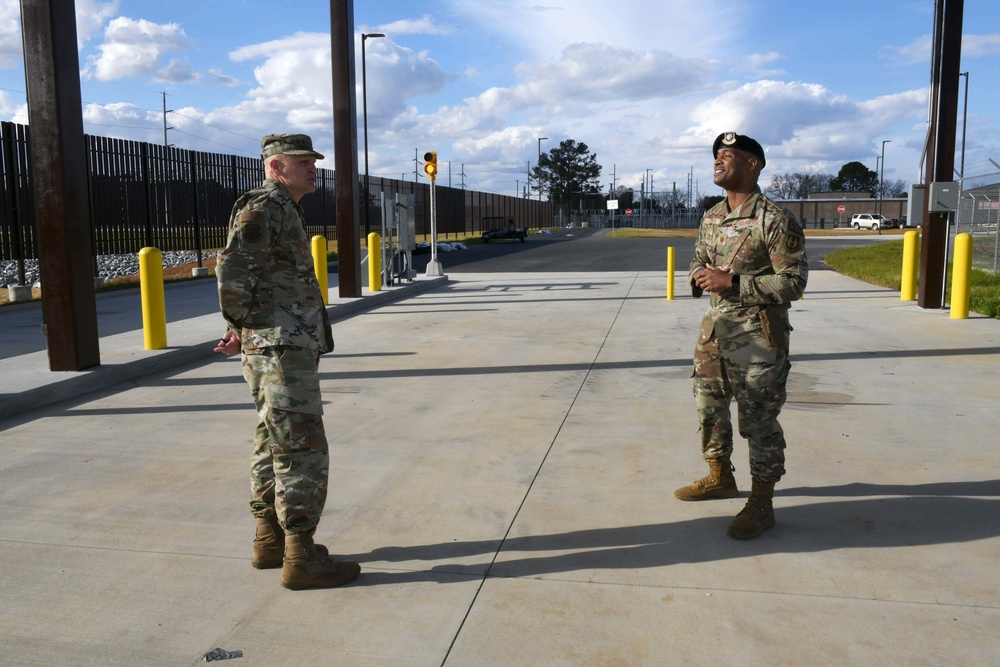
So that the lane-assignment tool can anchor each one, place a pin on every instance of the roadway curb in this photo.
(125, 363)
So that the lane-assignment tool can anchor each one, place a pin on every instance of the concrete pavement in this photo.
(504, 450)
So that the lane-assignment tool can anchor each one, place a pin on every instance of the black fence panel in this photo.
(18, 238)
(148, 195)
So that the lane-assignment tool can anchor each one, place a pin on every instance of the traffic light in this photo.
(431, 164)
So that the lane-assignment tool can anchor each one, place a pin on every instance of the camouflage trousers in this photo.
(745, 368)
(290, 466)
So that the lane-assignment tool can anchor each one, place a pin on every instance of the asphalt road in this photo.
(581, 250)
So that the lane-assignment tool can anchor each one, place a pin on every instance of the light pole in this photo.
(539, 163)
(647, 195)
(881, 182)
(364, 115)
(965, 112)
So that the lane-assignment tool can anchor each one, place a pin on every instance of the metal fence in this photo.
(979, 216)
(601, 218)
(147, 195)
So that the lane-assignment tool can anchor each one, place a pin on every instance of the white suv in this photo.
(869, 221)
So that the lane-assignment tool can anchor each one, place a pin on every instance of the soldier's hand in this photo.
(713, 279)
(229, 345)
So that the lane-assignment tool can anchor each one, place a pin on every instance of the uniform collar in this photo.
(273, 184)
(748, 208)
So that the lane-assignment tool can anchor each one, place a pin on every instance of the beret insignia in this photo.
(728, 138)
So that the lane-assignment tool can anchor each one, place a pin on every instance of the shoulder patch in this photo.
(792, 242)
(251, 223)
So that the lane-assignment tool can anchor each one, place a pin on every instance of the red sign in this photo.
(841, 208)
(628, 211)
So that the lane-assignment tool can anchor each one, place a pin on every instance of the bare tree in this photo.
(670, 200)
(797, 185)
(896, 188)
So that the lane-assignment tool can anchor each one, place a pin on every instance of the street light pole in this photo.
(647, 194)
(965, 112)
(881, 181)
(364, 114)
(539, 163)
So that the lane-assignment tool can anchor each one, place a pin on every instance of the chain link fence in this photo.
(979, 216)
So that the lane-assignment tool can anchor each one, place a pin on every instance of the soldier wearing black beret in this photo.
(750, 257)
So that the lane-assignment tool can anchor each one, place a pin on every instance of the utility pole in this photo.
(945, 64)
(614, 191)
(165, 127)
(345, 141)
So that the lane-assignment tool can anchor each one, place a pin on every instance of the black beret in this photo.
(740, 141)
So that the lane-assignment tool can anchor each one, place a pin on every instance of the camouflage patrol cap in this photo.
(288, 144)
(740, 142)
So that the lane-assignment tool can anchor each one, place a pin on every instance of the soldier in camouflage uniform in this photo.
(751, 258)
(277, 320)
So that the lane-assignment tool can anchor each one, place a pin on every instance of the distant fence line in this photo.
(171, 198)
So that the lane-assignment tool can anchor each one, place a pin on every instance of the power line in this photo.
(214, 127)
(241, 150)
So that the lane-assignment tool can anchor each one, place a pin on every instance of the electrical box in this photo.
(916, 206)
(407, 217)
(943, 197)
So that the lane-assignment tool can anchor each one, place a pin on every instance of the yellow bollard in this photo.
(961, 275)
(374, 262)
(319, 266)
(908, 290)
(154, 314)
(670, 273)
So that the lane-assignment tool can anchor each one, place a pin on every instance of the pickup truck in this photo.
(510, 233)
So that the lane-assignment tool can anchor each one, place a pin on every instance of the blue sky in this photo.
(647, 86)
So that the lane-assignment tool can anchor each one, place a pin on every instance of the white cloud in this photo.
(91, 16)
(423, 26)
(758, 66)
(799, 123)
(217, 76)
(294, 83)
(136, 48)
(395, 75)
(981, 45)
(596, 73)
(18, 112)
(11, 54)
(544, 31)
(920, 50)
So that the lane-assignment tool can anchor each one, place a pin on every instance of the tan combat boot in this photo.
(269, 544)
(758, 514)
(306, 567)
(719, 483)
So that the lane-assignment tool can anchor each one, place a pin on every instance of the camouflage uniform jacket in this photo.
(268, 289)
(764, 244)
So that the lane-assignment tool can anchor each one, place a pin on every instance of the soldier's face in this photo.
(297, 173)
(734, 169)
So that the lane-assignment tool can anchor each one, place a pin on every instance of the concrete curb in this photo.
(122, 361)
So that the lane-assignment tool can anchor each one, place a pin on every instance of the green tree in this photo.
(567, 171)
(855, 177)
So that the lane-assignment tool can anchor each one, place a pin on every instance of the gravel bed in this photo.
(108, 266)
